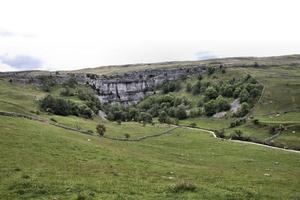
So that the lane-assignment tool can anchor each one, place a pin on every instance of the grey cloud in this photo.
(22, 62)
(6, 33)
(204, 55)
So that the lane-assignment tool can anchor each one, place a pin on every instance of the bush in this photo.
(101, 129)
(211, 92)
(195, 112)
(188, 87)
(181, 113)
(211, 70)
(237, 135)
(127, 135)
(145, 117)
(272, 130)
(196, 89)
(210, 108)
(244, 110)
(193, 124)
(182, 187)
(222, 104)
(220, 133)
(162, 118)
(171, 86)
(256, 122)
(244, 95)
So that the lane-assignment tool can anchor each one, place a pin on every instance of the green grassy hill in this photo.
(39, 160)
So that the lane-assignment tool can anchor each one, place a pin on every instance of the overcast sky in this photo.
(72, 34)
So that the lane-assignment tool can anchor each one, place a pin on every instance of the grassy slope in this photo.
(44, 162)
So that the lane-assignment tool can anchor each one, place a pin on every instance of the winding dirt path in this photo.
(20, 115)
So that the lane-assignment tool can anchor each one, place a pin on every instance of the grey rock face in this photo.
(128, 88)
(132, 87)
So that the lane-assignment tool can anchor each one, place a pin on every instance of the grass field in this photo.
(44, 162)
(41, 161)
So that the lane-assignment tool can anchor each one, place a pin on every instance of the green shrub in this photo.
(211, 92)
(193, 124)
(162, 118)
(210, 108)
(101, 129)
(181, 112)
(182, 187)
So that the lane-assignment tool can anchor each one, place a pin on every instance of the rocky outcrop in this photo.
(126, 88)
(132, 87)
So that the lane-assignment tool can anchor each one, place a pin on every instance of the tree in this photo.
(101, 129)
(211, 92)
(228, 90)
(237, 92)
(210, 108)
(188, 87)
(181, 113)
(244, 95)
(162, 118)
(222, 104)
(196, 89)
(211, 70)
(245, 108)
(145, 117)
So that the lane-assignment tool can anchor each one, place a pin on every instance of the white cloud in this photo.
(87, 33)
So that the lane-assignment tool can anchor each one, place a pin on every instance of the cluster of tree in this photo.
(85, 95)
(170, 86)
(246, 89)
(60, 106)
(216, 105)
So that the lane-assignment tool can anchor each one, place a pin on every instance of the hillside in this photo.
(53, 150)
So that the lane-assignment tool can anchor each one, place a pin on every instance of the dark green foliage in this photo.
(133, 114)
(163, 116)
(47, 82)
(67, 91)
(211, 70)
(71, 82)
(193, 124)
(145, 117)
(211, 92)
(181, 112)
(256, 122)
(188, 87)
(101, 129)
(228, 90)
(237, 123)
(244, 95)
(222, 104)
(64, 107)
(245, 108)
(220, 133)
(237, 92)
(237, 135)
(200, 77)
(196, 89)
(195, 112)
(171, 86)
(200, 103)
(210, 108)
(272, 130)
(127, 135)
